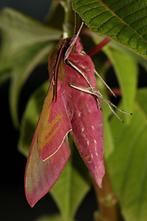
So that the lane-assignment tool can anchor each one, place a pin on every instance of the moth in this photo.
(72, 105)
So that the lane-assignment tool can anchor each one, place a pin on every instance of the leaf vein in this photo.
(138, 10)
(122, 21)
(85, 5)
(105, 22)
(138, 20)
(98, 15)
(124, 6)
(90, 9)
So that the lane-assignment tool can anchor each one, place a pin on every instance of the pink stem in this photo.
(98, 48)
(116, 91)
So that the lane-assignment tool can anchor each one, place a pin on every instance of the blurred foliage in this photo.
(129, 177)
(50, 218)
(26, 44)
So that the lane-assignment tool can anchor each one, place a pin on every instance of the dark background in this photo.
(13, 205)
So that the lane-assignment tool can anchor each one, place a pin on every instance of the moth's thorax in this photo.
(62, 72)
(83, 63)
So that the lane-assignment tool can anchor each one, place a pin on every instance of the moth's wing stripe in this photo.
(40, 176)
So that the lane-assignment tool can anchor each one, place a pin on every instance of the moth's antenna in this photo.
(102, 80)
(80, 72)
(96, 93)
(118, 109)
(67, 53)
(116, 115)
(84, 76)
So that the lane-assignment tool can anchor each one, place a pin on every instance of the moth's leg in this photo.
(111, 106)
(73, 41)
(118, 109)
(116, 115)
(98, 101)
(80, 72)
(88, 91)
(108, 103)
(102, 80)
(100, 97)
(83, 89)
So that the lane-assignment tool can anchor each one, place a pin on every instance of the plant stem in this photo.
(98, 48)
(68, 25)
(107, 202)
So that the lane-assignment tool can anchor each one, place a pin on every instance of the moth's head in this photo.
(78, 46)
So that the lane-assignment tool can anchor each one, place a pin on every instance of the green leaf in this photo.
(19, 31)
(69, 191)
(25, 43)
(128, 165)
(30, 118)
(126, 71)
(108, 139)
(124, 21)
(27, 60)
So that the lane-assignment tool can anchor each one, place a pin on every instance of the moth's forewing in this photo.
(53, 126)
(41, 175)
(87, 120)
(54, 63)
(87, 129)
(54, 59)
(49, 152)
